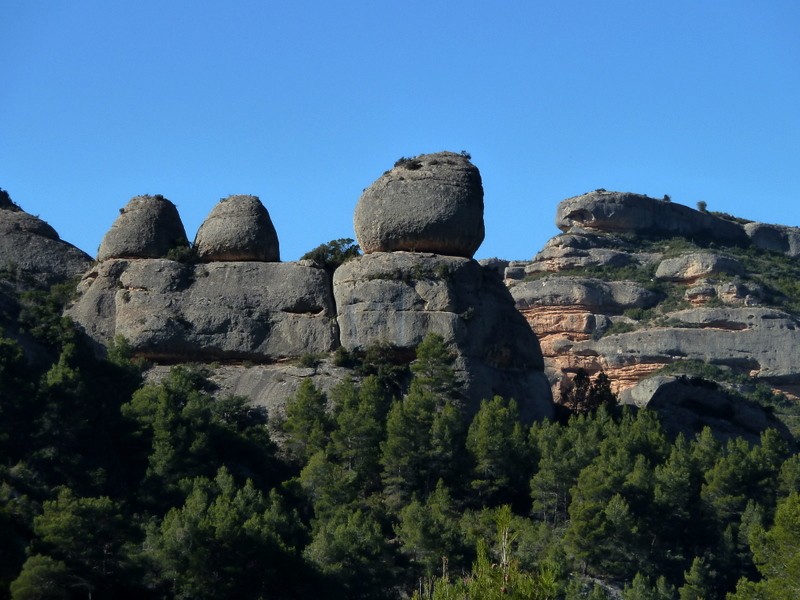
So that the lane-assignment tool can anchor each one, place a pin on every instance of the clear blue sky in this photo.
(304, 104)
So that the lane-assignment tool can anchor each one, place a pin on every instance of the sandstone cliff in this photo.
(634, 284)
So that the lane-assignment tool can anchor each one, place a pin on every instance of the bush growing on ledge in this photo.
(333, 254)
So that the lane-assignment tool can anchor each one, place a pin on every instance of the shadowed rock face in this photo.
(777, 238)
(432, 203)
(148, 227)
(399, 297)
(31, 250)
(238, 229)
(687, 405)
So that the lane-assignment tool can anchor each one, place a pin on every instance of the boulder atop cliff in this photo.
(238, 229)
(30, 249)
(431, 203)
(635, 213)
(148, 227)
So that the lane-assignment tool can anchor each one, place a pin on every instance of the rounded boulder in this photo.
(148, 227)
(431, 203)
(238, 229)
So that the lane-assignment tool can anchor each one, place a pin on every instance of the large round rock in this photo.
(238, 229)
(431, 203)
(148, 227)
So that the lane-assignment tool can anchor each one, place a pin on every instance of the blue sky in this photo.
(304, 104)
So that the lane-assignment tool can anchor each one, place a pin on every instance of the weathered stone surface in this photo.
(729, 292)
(148, 227)
(777, 238)
(762, 342)
(399, 297)
(582, 292)
(30, 249)
(635, 213)
(691, 267)
(227, 310)
(432, 203)
(687, 405)
(238, 229)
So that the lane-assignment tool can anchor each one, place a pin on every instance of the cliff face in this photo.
(232, 305)
(634, 284)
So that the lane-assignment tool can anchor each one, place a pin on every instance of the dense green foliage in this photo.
(334, 253)
(112, 488)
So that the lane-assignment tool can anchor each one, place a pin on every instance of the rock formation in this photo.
(687, 405)
(634, 213)
(688, 268)
(664, 297)
(238, 229)
(631, 285)
(777, 238)
(32, 252)
(399, 297)
(173, 311)
(237, 305)
(431, 203)
(147, 227)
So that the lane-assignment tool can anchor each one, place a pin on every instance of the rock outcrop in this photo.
(170, 311)
(147, 227)
(431, 203)
(635, 213)
(761, 342)
(399, 297)
(688, 268)
(777, 238)
(682, 300)
(238, 305)
(688, 404)
(31, 252)
(238, 229)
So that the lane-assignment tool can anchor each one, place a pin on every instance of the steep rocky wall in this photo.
(172, 311)
(692, 298)
(266, 312)
(398, 297)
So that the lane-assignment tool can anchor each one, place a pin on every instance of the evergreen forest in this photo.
(383, 487)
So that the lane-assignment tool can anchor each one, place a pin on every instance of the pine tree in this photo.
(499, 450)
(307, 423)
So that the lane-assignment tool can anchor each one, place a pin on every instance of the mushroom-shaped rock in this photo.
(148, 227)
(431, 203)
(238, 229)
